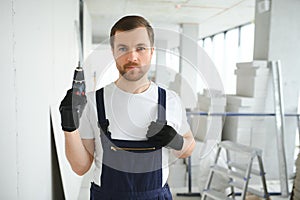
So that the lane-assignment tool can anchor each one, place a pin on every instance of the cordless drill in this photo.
(74, 102)
(78, 79)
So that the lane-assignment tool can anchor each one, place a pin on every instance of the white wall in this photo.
(37, 58)
(277, 38)
(8, 116)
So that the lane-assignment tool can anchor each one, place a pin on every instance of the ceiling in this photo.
(213, 16)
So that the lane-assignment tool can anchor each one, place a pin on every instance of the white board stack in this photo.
(252, 79)
(252, 82)
(208, 127)
(238, 128)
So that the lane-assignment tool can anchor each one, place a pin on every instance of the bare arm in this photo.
(79, 152)
(188, 146)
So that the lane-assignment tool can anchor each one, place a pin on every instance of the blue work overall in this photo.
(131, 170)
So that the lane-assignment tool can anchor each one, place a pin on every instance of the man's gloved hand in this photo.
(71, 109)
(164, 135)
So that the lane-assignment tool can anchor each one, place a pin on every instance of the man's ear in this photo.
(152, 50)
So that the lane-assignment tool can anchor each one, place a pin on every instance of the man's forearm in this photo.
(188, 146)
(79, 158)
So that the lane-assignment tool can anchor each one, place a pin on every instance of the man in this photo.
(128, 127)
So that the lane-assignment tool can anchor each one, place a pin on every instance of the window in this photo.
(246, 43)
(218, 54)
(231, 56)
(228, 48)
(207, 45)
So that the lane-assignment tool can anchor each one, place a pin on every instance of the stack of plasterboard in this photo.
(209, 127)
(207, 130)
(252, 79)
(238, 128)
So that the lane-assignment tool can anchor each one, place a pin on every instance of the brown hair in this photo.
(131, 22)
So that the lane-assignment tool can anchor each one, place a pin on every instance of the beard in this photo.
(132, 74)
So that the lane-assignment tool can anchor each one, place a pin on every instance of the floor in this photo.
(273, 187)
(175, 197)
(238, 198)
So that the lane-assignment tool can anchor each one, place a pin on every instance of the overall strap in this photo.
(102, 121)
(161, 112)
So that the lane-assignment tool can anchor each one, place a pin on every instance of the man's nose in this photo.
(132, 56)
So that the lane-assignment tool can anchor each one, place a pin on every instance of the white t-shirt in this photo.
(129, 116)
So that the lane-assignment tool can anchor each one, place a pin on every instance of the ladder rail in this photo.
(211, 172)
(263, 178)
(230, 168)
(248, 172)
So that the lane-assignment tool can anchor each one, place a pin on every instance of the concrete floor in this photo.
(85, 196)
(272, 186)
(175, 197)
(198, 198)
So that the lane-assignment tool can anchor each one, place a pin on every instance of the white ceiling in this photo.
(213, 16)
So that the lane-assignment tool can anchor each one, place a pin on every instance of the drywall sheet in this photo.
(71, 182)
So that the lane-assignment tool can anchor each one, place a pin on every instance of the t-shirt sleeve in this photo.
(87, 120)
(176, 114)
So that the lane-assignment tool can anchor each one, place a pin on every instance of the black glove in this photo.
(71, 109)
(162, 135)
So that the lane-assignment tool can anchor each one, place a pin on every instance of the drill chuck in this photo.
(78, 82)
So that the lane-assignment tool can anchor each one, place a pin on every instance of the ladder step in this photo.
(243, 168)
(240, 148)
(216, 195)
(249, 189)
(228, 172)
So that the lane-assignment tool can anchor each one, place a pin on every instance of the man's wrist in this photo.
(71, 132)
(177, 142)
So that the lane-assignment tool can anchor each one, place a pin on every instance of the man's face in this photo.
(132, 52)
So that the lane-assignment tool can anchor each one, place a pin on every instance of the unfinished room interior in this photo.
(150, 99)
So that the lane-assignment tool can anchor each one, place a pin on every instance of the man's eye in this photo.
(141, 49)
(122, 49)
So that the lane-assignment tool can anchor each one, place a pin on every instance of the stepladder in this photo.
(238, 173)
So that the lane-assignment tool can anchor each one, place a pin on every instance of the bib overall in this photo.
(131, 170)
